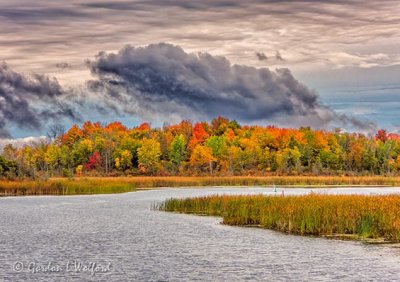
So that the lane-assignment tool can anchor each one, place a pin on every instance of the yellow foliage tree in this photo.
(149, 156)
(202, 157)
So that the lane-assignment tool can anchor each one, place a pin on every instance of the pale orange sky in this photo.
(328, 45)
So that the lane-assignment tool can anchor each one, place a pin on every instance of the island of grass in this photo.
(107, 185)
(374, 219)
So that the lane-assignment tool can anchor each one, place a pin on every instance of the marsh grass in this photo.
(181, 181)
(65, 187)
(354, 216)
(105, 185)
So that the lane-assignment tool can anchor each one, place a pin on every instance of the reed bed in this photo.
(65, 187)
(103, 185)
(300, 181)
(359, 216)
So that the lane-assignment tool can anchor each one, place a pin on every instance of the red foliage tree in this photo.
(199, 135)
(144, 126)
(381, 135)
(94, 161)
(115, 126)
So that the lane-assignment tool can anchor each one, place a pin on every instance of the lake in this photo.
(118, 238)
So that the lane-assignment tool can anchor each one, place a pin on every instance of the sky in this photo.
(323, 64)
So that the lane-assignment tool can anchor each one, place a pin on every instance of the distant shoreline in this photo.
(113, 185)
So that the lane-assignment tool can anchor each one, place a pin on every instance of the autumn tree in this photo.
(124, 161)
(73, 135)
(381, 135)
(82, 151)
(200, 134)
(149, 156)
(219, 147)
(202, 158)
(52, 157)
(288, 160)
(94, 161)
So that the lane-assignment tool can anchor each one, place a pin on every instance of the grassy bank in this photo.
(65, 187)
(104, 185)
(353, 216)
(151, 182)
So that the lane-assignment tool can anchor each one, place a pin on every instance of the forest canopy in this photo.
(219, 147)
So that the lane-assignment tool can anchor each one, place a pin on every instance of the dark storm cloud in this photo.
(30, 101)
(162, 80)
(316, 39)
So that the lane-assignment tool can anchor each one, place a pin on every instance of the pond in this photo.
(118, 238)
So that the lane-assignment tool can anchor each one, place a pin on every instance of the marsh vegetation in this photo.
(354, 216)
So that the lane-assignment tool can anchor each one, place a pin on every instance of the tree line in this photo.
(219, 147)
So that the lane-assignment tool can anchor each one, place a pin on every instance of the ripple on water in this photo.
(147, 245)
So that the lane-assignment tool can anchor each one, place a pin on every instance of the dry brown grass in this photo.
(179, 181)
(63, 186)
(96, 185)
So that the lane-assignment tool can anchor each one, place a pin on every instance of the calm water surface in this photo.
(53, 238)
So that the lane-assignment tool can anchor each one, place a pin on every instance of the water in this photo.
(145, 245)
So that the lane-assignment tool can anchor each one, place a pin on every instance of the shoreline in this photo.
(113, 185)
(365, 218)
(268, 186)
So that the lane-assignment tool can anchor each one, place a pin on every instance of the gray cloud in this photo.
(311, 34)
(63, 65)
(30, 101)
(261, 56)
(279, 57)
(37, 14)
(163, 81)
(319, 41)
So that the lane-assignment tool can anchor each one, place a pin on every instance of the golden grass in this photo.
(97, 185)
(65, 187)
(182, 181)
(357, 215)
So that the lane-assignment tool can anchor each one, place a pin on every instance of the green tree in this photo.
(7, 168)
(177, 149)
(217, 145)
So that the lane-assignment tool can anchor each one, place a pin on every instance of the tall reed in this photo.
(93, 185)
(358, 215)
(65, 187)
(176, 181)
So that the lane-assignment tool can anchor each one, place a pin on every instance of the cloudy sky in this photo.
(320, 63)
